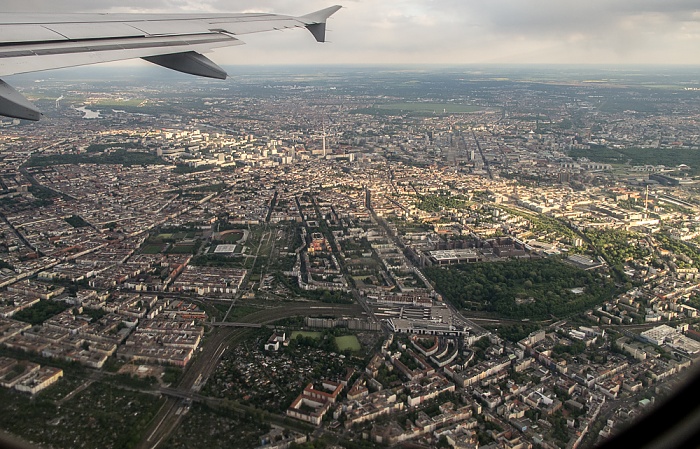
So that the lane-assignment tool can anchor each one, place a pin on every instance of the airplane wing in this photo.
(35, 42)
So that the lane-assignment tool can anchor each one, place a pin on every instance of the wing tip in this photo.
(14, 105)
(189, 62)
(316, 21)
(321, 15)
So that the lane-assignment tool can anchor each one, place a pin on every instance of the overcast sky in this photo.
(447, 31)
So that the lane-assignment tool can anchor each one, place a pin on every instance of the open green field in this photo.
(241, 311)
(234, 237)
(431, 107)
(348, 342)
(164, 236)
(151, 249)
(181, 249)
(310, 334)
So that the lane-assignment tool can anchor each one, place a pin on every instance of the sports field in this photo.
(348, 342)
(233, 237)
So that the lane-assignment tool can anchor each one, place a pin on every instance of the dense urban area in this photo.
(348, 257)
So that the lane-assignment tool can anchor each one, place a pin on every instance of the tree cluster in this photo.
(436, 203)
(617, 246)
(521, 289)
(40, 312)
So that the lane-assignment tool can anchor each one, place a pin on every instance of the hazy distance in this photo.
(450, 31)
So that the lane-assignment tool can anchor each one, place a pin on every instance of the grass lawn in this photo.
(348, 342)
(306, 334)
(164, 236)
(181, 249)
(241, 311)
(233, 237)
(151, 249)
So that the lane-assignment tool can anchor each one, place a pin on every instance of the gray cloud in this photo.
(450, 31)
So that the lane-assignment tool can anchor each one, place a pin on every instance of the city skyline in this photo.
(498, 257)
(407, 32)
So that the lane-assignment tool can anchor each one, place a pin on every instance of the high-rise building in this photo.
(324, 143)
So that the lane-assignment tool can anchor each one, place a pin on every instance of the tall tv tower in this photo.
(646, 200)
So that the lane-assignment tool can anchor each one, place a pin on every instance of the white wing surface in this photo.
(35, 42)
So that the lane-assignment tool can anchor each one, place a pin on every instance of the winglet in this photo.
(316, 21)
(13, 104)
